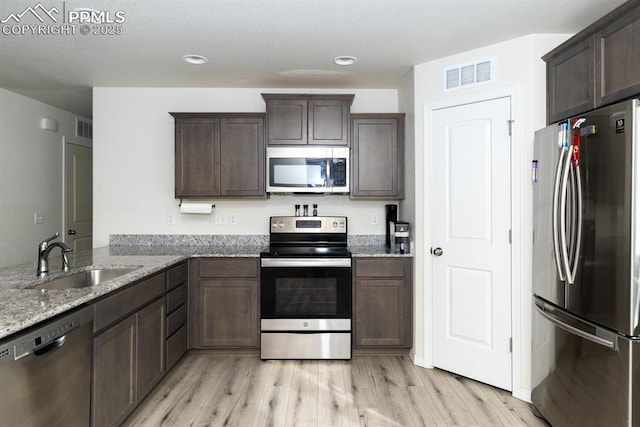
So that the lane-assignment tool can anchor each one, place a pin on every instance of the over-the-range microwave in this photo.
(308, 169)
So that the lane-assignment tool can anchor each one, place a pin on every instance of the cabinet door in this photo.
(618, 59)
(377, 158)
(570, 81)
(242, 157)
(380, 312)
(151, 347)
(114, 374)
(197, 157)
(228, 313)
(328, 122)
(287, 121)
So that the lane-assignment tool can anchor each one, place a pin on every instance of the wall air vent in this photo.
(467, 75)
(84, 128)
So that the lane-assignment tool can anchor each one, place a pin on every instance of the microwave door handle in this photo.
(556, 196)
(328, 177)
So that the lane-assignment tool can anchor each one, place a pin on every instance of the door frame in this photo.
(515, 94)
(84, 142)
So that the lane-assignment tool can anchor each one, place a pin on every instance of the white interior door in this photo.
(471, 251)
(79, 196)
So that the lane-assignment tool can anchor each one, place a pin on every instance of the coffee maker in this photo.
(400, 240)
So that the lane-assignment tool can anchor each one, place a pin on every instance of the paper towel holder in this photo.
(180, 204)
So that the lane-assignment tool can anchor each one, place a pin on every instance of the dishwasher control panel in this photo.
(45, 337)
(42, 336)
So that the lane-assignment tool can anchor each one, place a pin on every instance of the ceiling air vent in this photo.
(468, 75)
(84, 128)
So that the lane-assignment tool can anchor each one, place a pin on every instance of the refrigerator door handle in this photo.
(556, 199)
(577, 326)
(564, 246)
(571, 275)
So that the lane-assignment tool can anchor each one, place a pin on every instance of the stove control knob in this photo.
(281, 224)
(335, 224)
(341, 224)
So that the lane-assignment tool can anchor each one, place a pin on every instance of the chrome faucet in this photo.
(43, 255)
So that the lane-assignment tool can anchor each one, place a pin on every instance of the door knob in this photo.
(437, 251)
(71, 232)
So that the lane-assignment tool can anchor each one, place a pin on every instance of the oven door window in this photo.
(306, 293)
(298, 173)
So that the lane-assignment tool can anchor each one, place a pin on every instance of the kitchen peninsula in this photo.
(24, 307)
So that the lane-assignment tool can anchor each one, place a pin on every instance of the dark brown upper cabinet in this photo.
(618, 59)
(598, 66)
(300, 119)
(570, 81)
(377, 156)
(219, 155)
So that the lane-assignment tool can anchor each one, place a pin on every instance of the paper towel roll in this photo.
(196, 207)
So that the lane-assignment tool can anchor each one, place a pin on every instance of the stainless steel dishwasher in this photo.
(46, 373)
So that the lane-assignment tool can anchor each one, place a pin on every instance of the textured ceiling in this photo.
(254, 43)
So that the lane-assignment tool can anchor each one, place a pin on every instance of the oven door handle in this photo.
(306, 262)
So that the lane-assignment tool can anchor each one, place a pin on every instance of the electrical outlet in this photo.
(233, 219)
(38, 217)
(171, 219)
(374, 219)
(221, 219)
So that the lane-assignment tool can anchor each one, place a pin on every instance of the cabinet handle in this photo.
(437, 251)
(71, 232)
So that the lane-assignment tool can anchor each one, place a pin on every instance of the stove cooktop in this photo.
(307, 237)
(307, 251)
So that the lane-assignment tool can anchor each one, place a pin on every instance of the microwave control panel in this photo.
(338, 172)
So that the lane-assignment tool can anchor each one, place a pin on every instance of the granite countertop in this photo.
(23, 306)
(374, 251)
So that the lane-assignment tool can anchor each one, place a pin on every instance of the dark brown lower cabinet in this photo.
(114, 373)
(151, 347)
(228, 313)
(177, 292)
(225, 298)
(382, 303)
(129, 352)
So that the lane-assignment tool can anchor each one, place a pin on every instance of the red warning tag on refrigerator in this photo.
(575, 147)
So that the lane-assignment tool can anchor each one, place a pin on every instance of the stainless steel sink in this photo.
(83, 279)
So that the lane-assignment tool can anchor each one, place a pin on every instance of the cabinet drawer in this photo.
(379, 267)
(176, 346)
(176, 319)
(176, 276)
(176, 298)
(126, 301)
(229, 267)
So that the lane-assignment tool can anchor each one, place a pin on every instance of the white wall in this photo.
(519, 71)
(31, 175)
(134, 163)
(407, 207)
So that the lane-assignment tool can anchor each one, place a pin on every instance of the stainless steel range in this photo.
(305, 289)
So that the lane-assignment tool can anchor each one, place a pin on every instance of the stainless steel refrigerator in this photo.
(586, 247)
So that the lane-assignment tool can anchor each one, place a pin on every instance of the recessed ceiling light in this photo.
(345, 60)
(195, 59)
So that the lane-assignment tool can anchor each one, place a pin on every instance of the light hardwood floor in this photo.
(205, 390)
